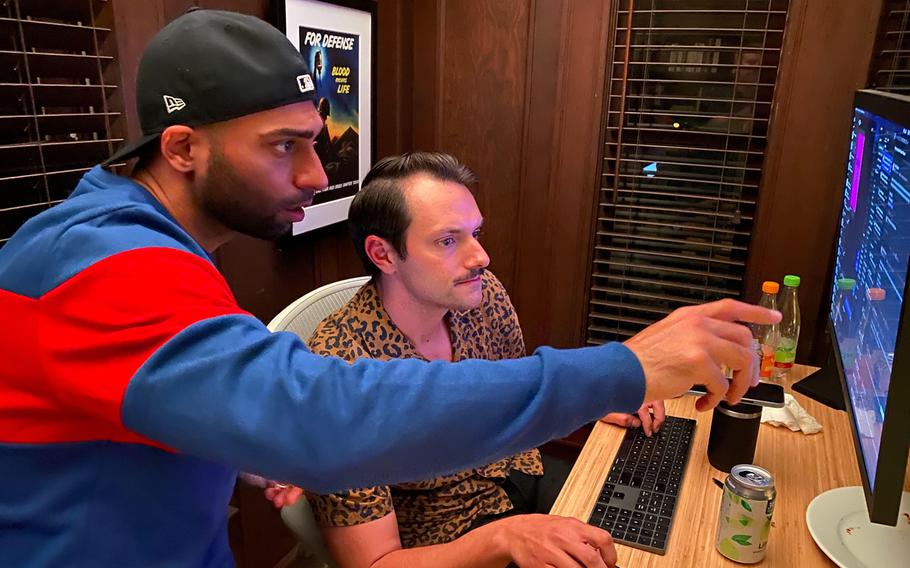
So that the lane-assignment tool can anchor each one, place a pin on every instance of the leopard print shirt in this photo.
(437, 510)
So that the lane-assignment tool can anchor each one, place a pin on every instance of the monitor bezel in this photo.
(884, 496)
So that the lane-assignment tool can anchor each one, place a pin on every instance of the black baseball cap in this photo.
(209, 66)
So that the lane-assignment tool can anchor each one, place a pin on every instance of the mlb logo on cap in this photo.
(305, 82)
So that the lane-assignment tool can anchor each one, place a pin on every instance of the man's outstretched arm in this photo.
(184, 368)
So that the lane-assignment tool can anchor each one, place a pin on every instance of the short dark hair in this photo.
(380, 208)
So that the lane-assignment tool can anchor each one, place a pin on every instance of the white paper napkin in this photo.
(792, 415)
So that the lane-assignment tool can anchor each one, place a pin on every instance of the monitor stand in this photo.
(839, 523)
(823, 385)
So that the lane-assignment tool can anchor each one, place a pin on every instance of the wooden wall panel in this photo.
(394, 81)
(827, 50)
(482, 99)
(559, 169)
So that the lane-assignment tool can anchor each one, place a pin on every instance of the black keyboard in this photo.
(637, 502)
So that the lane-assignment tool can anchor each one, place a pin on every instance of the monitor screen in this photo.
(870, 271)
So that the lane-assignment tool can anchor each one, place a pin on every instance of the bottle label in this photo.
(767, 361)
(785, 353)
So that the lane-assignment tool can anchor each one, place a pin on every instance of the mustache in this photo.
(471, 275)
(306, 202)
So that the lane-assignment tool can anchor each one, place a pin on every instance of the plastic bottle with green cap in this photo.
(844, 288)
(844, 322)
(789, 328)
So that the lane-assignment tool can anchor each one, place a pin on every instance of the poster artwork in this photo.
(333, 58)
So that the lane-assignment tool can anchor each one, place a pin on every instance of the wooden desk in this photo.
(802, 466)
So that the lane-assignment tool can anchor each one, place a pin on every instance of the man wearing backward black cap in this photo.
(133, 388)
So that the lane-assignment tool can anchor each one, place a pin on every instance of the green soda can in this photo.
(745, 514)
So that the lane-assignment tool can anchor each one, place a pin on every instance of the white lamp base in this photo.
(839, 523)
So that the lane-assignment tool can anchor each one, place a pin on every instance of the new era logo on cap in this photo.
(173, 103)
(305, 82)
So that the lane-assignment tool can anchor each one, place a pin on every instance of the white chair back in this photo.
(301, 317)
(304, 314)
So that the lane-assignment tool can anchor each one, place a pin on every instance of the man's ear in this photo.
(381, 253)
(184, 148)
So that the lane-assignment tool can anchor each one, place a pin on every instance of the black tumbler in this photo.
(734, 433)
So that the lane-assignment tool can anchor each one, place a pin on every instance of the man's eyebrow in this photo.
(291, 133)
(457, 230)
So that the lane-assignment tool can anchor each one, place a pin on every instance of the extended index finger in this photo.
(734, 310)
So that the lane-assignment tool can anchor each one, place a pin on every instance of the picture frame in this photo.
(337, 38)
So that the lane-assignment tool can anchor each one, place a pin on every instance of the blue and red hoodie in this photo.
(133, 388)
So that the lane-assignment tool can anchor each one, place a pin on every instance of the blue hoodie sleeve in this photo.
(228, 390)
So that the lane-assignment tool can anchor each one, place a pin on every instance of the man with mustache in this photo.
(416, 226)
(133, 387)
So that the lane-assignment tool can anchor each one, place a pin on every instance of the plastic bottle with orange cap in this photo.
(765, 337)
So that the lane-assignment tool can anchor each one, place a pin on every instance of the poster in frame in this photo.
(337, 39)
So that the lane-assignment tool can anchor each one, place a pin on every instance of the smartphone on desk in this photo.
(763, 394)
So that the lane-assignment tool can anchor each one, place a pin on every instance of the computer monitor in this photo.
(869, 325)
(870, 309)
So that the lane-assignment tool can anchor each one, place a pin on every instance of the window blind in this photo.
(890, 69)
(690, 90)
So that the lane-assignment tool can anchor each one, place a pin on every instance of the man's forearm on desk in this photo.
(484, 547)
